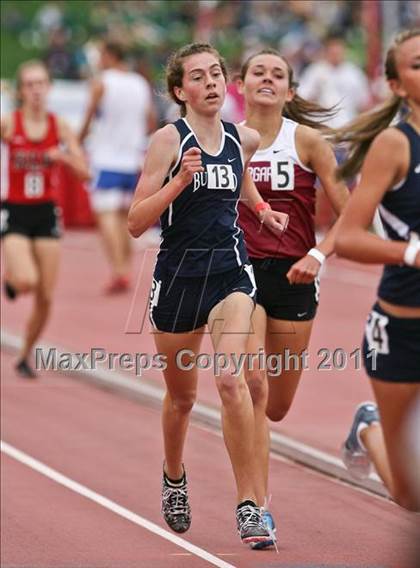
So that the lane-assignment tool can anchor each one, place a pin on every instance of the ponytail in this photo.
(360, 133)
(309, 114)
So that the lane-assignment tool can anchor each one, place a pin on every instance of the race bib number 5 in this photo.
(33, 185)
(282, 175)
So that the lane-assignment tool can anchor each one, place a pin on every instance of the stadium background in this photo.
(66, 36)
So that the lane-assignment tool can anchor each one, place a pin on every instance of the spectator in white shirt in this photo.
(335, 81)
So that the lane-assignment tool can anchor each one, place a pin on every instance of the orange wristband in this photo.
(262, 206)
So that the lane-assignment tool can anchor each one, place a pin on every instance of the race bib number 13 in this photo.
(33, 185)
(221, 177)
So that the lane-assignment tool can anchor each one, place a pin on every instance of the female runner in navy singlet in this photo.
(390, 181)
(194, 174)
(291, 155)
(30, 225)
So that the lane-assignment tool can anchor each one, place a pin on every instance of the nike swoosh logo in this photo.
(231, 160)
(302, 314)
(417, 169)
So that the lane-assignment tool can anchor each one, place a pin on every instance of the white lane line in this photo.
(110, 505)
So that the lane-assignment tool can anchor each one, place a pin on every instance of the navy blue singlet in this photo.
(400, 214)
(200, 232)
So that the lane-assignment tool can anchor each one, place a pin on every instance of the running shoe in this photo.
(355, 456)
(24, 370)
(271, 527)
(118, 285)
(9, 291)
(175, 507)
(250, 523)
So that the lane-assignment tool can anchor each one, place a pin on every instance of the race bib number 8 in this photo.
(34, 185)
(221, 176)
(282, 175)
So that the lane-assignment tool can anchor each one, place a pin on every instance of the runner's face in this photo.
(407, 58)
(203, 84)
(335, 52)
(266, 82)
(34, 87)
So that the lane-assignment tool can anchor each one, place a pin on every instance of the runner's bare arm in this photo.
(250, 195)
(72, 155)
(96, 93)
(151, 199)
(6, 127)
(322, 161)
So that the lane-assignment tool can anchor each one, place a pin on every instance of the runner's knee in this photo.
(24, 284)
(231, 387)
(257, 385)
(277, 412)
(183, 404)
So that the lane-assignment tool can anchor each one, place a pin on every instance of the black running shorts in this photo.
(391, 347)
(40, 220)
(280, 299)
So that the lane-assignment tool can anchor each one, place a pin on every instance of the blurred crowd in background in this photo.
(334, 46)
(67, 35)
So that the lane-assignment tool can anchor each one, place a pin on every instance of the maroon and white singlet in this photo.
(289, 187)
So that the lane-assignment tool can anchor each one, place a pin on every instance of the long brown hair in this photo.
(175, 68)
(360, 133)
(298, 109)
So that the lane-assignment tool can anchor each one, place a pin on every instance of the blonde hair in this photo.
(29, 65)
(175, 68)
(298, 109)
(360, 133)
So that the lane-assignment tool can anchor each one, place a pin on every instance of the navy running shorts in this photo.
(280, 299)
(391, 347)
(182, 304)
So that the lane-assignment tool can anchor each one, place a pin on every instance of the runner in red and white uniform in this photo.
(291, 155)
(29, 215)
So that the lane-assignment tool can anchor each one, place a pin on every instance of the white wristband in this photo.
(412, 250)
(318, 255)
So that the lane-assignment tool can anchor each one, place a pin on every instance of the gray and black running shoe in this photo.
(175, 507)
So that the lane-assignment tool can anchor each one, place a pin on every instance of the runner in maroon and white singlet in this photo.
(29, 215)
(291, 155)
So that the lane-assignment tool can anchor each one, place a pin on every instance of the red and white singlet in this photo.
(289, 187)
(30, 177)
